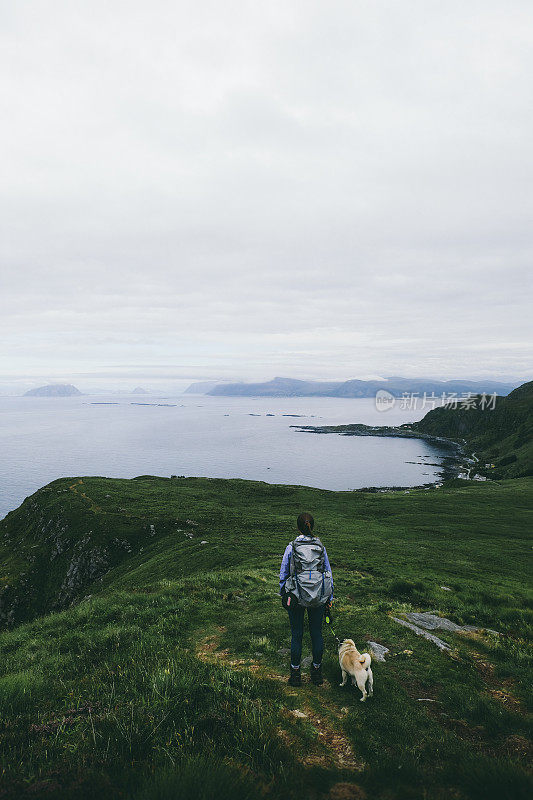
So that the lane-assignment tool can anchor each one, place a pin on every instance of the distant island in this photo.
(140, 390)
(291, 387)
(53, 390)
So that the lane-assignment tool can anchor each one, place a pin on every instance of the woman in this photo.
(305, 581)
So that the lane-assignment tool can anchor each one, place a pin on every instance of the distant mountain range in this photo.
(53, 390)
(201, 387)
(290, 387)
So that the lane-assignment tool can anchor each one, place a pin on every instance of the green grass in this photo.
(165, 681)
(502, 436)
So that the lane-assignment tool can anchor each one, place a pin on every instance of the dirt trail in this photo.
(498, 689)
(338, 750)
(332, 748)
(74, 488)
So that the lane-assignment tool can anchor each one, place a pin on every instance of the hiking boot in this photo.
(316, 675)
(296, 677)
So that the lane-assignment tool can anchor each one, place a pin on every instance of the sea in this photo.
(44, 438)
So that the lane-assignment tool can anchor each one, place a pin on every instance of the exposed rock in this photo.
(307, 661)
(123, 543)
(284, 651)
(85, 566)
(59, 542)
(379, 651)
(299, 714)
(420, 632)
(431, 622)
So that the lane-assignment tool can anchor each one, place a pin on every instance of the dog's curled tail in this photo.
(365, 660)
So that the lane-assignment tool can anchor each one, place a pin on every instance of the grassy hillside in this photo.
(164, 676)
(503, 436)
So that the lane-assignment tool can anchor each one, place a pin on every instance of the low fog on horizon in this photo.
(237, 191)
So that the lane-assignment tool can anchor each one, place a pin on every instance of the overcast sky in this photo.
(249, 189)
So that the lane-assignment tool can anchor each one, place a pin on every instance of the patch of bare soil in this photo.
(516, 746)
(207, 648)
(346, 791)
(73, 488)
(498, 688)
(333, 747)
(66, 719)
(339, 752)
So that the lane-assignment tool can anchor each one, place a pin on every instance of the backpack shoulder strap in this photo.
(292, 567)
(294, 545)
(322, 557)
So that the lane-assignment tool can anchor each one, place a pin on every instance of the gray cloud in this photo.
(317, 189)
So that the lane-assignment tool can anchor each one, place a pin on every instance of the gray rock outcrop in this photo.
(86, 565)
(431, 622)
(421, 632)
(378, 651)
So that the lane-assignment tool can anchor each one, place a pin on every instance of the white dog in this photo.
(357, 666)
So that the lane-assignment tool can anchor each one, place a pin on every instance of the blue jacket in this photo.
(286, 564)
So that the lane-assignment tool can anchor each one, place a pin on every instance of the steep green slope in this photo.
(503, 436)
(167, 681)
(59, 542)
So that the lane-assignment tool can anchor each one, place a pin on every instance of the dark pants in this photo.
(296, 618)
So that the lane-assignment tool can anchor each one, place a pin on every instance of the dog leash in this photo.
(335, 637)
(328, 624)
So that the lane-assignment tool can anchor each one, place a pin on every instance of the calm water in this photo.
(46, 438)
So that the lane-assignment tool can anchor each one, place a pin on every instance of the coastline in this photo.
(453, 465)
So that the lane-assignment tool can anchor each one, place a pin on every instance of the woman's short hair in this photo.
(305, 523)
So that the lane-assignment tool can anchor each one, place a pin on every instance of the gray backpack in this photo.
(308, 579)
